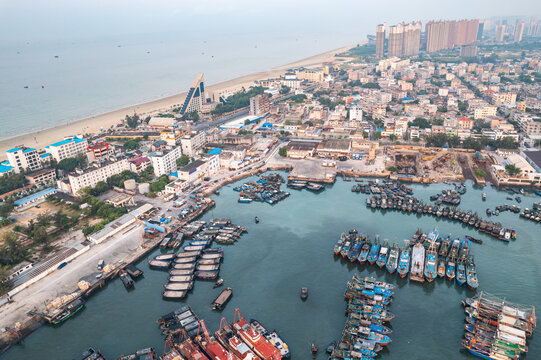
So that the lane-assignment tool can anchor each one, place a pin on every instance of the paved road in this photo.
(64, 281)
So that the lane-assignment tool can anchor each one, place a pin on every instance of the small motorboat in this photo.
(304, 294)
(256, 219)
(218, 282)
(314, 349)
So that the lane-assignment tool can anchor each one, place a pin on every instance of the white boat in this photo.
(417, 263)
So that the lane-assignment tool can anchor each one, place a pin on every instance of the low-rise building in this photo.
(41, 177)
(334, 148)
(97, 172)
(192, 142)
(67, 148)
(164, 162)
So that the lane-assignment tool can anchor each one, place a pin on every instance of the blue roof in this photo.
(28, 150)
(67, 141)
(215, 151)
(175, 174)
(30, 198)
(5, 168)
(13, 150)
(44, 155)
(5, 163)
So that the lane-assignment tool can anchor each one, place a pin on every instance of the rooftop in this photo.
(33, 197)
(67, 141)
(191, 166)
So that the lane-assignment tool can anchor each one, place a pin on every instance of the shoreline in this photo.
(93, 124)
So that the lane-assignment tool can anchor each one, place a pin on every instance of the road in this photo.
(64, 281)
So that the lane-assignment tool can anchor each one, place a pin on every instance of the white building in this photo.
(23, 158)
(165, 162)
(196, 96)
(484, 112)
(356, 113)
(95, 173)
(67, 148)
(193, 142)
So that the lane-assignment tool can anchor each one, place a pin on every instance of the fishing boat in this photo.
(159, 264)
(365, 250)
(444, 247)
(441, 267)
(354, 251)
(206, 275)
(304, 293)
(461, 271)
(450, 272)
(404, 262)
(434, 235)
(383, 254)
(218, 282)
(331, 347)
(179, 286)
(374, 252)
(67, 311)
(180, 278)
(471, 274)
(174, 295)
(254, 339)
(392, 260)
(430, 271)
(222, 299)
(339, 244)
(231, 341)
(165, 257)
(126, 279)
(417, 263)
(345, 249)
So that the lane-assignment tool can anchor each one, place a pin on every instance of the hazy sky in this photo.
(26, 20)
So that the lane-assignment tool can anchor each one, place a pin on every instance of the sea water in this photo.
(292, 247)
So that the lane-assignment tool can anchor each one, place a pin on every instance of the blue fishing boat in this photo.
(339, 244)
(244, 200)
(404, 262)
(471, 274)
(365, 250)
(383, 254)
(434, 235)
(461, 271)
(354, 251)
(374, 252)
(450, 272)
(430, 263)
(392, 260)
(345, 249)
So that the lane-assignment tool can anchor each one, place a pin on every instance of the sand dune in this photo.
(93, 124)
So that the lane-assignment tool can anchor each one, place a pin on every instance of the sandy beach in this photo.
(93, 124)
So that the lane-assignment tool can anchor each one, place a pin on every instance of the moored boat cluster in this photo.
(424, 257)
(365, 333)
(532, 214)
(496, 329)
(413, 205)
(188, 338)
(266, 189)
(197, 260)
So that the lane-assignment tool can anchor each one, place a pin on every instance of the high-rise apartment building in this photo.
(480, 30)
(442, 35)
(519, 31)
(404, 39)
(500, 33)
(259, 105)
(23, 158)
(380, 40)
(196, 96)
(67, 148)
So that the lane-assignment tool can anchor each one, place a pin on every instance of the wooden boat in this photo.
(212, 267)
(232, 342)
(180, 278)
(441, 267)
(461, 271)
(254, 339)
(159, 264)
(187, 254)
(383, 254)
(404, 262)
(392, 260)
(471, 274)
(450, 272)
(206, 275)
(222, 299)
(417, 263)
(165, 257)
(185, 260)
(444, 248)
(174, 295)
(126, 279)
(208, 262)
(218, 282)
(184, 266)
(133, 271)
(176, 272)
(179, 286)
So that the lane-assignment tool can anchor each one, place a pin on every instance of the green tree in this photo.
(392, 169)
(183, 160)
(282, 151)
(480, 173)
(67, 165)
(132, 144)
(365, 134)
(132, 121)
(377, 134)
(436, 140)
(453, 141)
(420, 122)
(472, 143)
(285, 90)
(512, 169)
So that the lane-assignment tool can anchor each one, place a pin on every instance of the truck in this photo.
(100, 265)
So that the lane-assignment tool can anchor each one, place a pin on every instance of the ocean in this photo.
(51, 82)
(292, 247)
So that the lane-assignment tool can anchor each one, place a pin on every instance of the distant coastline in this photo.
(93, 124)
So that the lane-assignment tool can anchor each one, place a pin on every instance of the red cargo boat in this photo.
(255, 341)
(211, 346)
(228, 339)
(188, 349)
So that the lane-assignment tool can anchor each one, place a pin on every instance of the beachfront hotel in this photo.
(67, 148)
(196, 96)
(96, 173)
(165, 162)
(22, 158)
